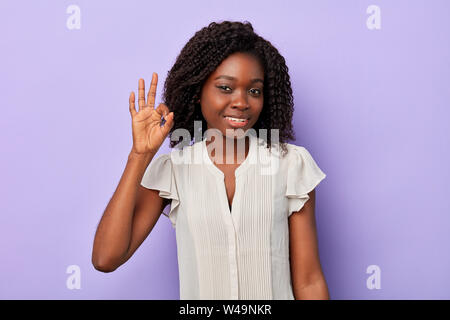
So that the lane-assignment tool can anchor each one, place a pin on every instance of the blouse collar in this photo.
(250, 159)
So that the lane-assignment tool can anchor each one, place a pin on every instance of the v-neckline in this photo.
(241, 168)
(237, 173)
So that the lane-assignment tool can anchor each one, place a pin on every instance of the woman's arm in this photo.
(133, 210)
(308, 280)
(128, 219)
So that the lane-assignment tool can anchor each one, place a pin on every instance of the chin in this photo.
(238, 133)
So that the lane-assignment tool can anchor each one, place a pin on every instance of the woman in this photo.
(242, 232)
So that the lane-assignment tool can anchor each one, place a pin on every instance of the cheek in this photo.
(259, 108)
(257, 114)
(214, 106)
(210, 114)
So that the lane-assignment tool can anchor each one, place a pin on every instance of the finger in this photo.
(169, 123)
(141, 99)
(161, 111)
(131, 101)
(152, 92)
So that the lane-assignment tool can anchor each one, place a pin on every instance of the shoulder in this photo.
(184, 156)
(175, 154)
(295, 149)
(298, 161)
(298, 152)
(290, 152)
(159, 161)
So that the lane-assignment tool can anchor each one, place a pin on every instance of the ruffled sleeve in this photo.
(303, 175)
(159, 175)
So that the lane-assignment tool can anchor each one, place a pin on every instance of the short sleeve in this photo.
(303, 175)
(159, 175)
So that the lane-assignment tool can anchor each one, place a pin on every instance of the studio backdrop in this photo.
(371, 91)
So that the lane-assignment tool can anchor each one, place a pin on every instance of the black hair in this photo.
(203, 53)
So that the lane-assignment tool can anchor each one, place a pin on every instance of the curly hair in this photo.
(203, 53)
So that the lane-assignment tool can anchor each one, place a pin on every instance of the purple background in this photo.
(371, 107)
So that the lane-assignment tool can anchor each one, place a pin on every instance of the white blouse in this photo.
(242, 254)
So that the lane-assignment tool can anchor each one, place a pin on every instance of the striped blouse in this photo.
(242, 254)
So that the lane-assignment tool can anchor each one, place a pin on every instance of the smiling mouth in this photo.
(236, 119)
(236, 122)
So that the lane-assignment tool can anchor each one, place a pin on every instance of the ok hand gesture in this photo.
(148, 134)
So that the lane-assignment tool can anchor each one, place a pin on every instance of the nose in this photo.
(240, 102)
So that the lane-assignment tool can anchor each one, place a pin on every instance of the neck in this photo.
(234, 150)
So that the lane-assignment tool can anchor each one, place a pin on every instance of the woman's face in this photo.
(234, 89)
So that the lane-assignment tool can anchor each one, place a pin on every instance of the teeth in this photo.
(236, 120)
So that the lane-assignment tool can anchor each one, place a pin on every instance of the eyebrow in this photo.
(233, 78)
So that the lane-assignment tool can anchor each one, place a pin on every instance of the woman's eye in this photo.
(222, 87)
(255, 91)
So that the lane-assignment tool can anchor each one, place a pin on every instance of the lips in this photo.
(237, 116)
(236, 123)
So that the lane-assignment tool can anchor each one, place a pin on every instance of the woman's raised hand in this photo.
(148, 134)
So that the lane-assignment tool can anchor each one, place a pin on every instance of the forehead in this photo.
(239, 65)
